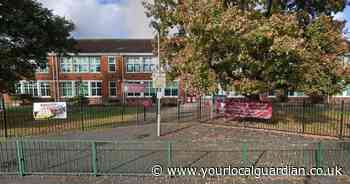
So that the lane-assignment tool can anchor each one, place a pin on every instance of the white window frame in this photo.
(73, 88)
(134, 81)
(343, 94)
(90, 89)
(109, 88)
(114, 63)
(42, 71)
(139, 60)
(36, 84)
(91, 61)
(178, 90)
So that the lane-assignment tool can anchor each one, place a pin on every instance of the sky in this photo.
(116, 18)
(103, 18)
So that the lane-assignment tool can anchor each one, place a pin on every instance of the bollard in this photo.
(94, 159)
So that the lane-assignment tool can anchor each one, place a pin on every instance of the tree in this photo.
(28, 32)
(254, 46)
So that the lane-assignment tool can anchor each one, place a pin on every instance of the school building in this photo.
(99, 71)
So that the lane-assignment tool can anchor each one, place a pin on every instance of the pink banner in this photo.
(136, 88)
(232, 108)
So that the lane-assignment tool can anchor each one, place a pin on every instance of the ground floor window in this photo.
(34, 88)
(84, 88)
(96, 88)
(133, 94)
(149, 90)
(66, 88)
(112, 88)
(172, 89)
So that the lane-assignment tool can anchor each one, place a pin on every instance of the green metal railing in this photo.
(62, 157)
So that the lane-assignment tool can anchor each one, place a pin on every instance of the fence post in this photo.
(319, 155)
(200, 108)
(94, 158)
(178, 109)
(137, 110)
(341, 120)
(170, 156)
(20, 158)
(4, 115)
(81, 114)
(123, 110)
(245, 153)
(303, 117)
(144, 113)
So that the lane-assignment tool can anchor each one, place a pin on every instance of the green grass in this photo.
(20, 120)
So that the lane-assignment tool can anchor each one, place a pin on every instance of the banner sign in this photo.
(50, 110)
(135, 88)
(232, 108)
(158, 80)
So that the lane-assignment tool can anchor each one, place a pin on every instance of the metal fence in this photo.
(19, 122)
(317, 119)
(37, 157)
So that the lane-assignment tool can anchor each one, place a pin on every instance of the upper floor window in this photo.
(43, 69)
(80, 64)
(139, 64)
(111, 64)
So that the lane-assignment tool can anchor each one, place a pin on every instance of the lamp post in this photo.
(159, 89)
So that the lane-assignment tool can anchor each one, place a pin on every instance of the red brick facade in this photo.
(54, 75)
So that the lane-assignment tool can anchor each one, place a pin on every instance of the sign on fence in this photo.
(50, 110)
(232, 108)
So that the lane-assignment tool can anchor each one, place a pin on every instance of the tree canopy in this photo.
(28, 32)
(253, 46)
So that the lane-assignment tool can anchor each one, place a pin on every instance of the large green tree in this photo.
(28, 32)
(253, 46)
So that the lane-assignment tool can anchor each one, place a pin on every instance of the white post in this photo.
(158, 116)
(158, 96)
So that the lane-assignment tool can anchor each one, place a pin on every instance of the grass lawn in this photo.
(313, 119)
(20, 120)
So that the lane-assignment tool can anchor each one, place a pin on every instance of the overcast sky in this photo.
(113, 18)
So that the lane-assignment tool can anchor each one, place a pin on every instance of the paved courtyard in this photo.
(194, 144)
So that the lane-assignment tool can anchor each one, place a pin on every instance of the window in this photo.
(144, 64)
(172, 89)
(81, 88)
(96, 88)
(44, 88)
(66, 88)
(345, 93)
(80, 64)
(30, 88)
(149, 90)
(95, 64)
(33, 88)
(112, 88)
(66, 65)
(295, 94)
(44, 69)
(111, 64)
(132, 93)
